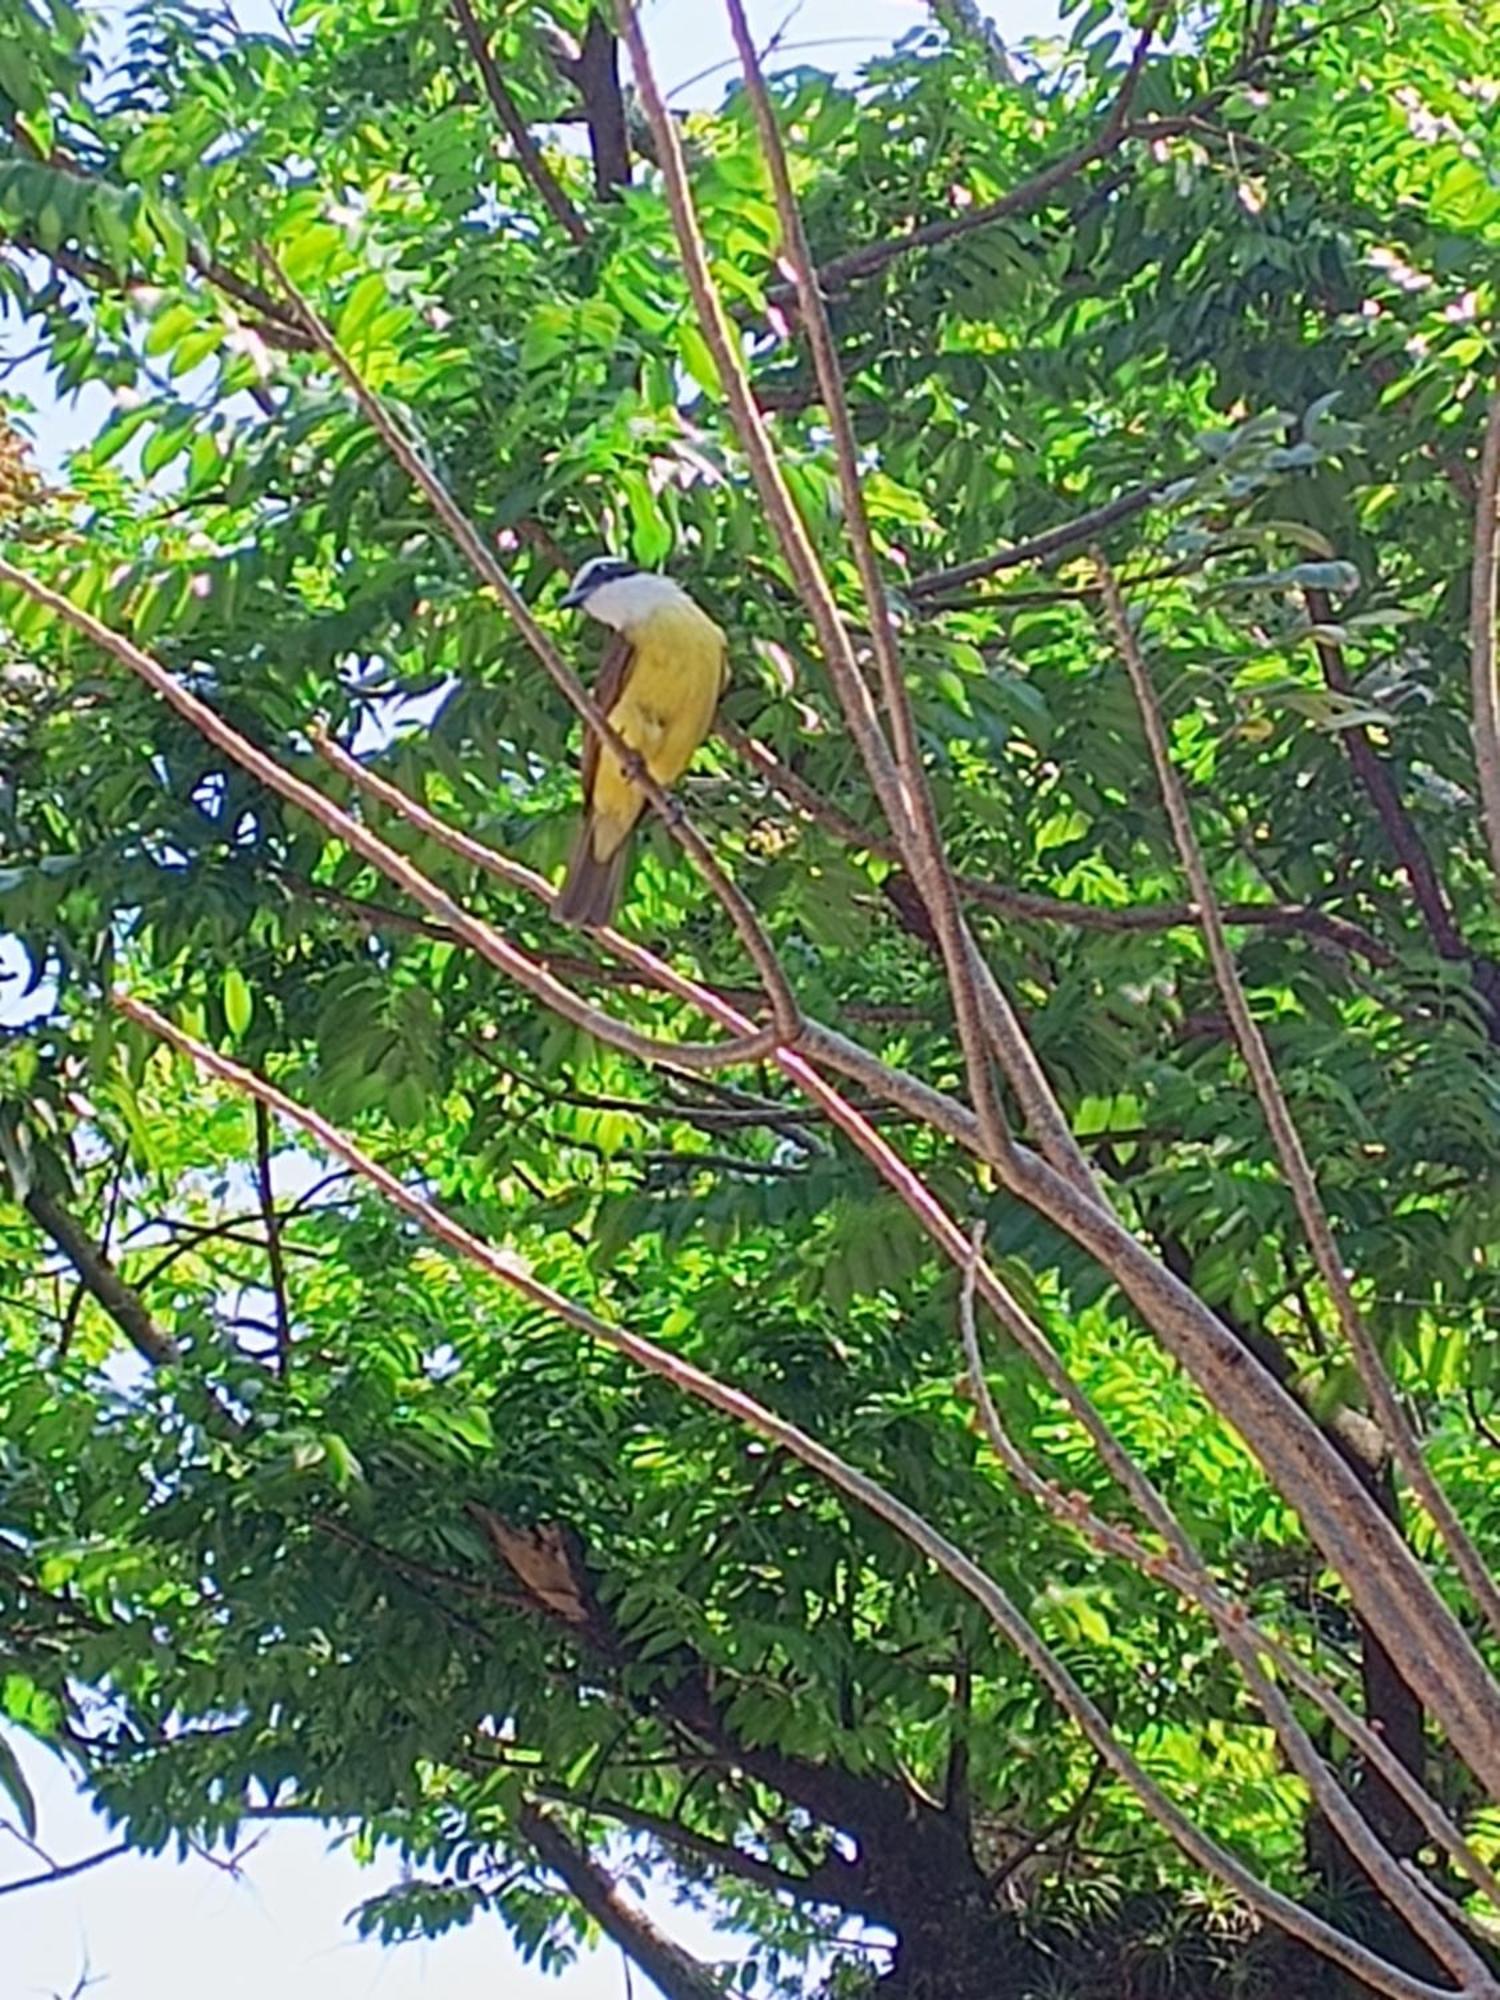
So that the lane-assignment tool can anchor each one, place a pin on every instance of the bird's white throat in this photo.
(628, 601)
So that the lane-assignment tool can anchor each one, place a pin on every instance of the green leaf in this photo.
(13, 1784)
(238, 1005)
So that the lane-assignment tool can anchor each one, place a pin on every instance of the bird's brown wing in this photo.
(614, 665)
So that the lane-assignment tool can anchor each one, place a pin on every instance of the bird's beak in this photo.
(572, 598)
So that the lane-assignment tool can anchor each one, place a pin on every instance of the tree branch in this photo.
(1339, 932)
(736, 904)
(99, 1277)
(480, 937)
(1374, 774)
(1292, 1917)
(917, 831)
(1484, 682)
(528, 153)
(1389, 1409)
(272, 1222)
(1073, 534)
(65, 1869)
(1113, 132)
(677, 1974)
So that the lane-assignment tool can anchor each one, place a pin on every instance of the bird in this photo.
(664, 668)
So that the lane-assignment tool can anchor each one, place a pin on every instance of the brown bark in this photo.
(677, 1974)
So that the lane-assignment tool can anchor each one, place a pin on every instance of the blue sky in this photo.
(157, 1930)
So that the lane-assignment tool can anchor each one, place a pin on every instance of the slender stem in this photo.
(1482, 665)
(265, 1187)
(1302, 1181)
(1112, 133)
(65, 1869)
(1339, 932)
(533, 164)
(1040, 548)
(923, 845)
(1243, 1637)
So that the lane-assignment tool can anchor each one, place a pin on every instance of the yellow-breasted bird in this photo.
(663, 670)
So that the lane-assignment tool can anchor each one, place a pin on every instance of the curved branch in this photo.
(471, 544)
(99, 1277)
(921, 838)
(1282, 1910)
(1051, 542)
(1296, 1166)
(480, 937)
(65, 1869)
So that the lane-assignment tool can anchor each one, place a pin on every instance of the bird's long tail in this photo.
(591, 887)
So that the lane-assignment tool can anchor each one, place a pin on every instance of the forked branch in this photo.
(1277, 1908)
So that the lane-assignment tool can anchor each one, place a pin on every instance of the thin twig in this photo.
(471, 543)
(65, 1869)
(1114, 130)
(528, 153)
(1188, 1574)
(1485, 684)
(267, 1193)
(1074, 534)
(1374, 774)
(1339, 932)
(1387, 1405)
(920, 837)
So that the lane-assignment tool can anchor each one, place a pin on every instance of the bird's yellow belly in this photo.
(665, 710)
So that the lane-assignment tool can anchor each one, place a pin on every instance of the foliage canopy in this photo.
(364, 1538)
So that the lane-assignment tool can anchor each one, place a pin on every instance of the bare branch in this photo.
(1339, 932)
(1074, 534)
(1374, 774)
(529, 154)
(1112, 133)
(1013, 1626)
(921, 838)
(272, 1222)
(64, 1870)
(1245, 1640)
(1484, 679)
(675, 1972)
(99, 1276)
(1387, 1405)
